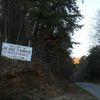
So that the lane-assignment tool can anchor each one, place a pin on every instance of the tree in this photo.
(82, 70)
(96, 29)
(45, 25)
(59, 16)
(94, 62)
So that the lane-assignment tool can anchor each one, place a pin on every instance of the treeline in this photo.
(45, 25)
(89, 67)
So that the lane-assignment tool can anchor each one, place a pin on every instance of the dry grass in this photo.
(30, 84)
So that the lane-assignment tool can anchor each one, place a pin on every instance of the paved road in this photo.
(94, 89)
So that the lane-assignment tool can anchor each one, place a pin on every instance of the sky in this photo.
(88, 10)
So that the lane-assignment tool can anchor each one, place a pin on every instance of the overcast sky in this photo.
(88, 10)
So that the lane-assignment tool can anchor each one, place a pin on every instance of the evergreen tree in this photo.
(46, 25)
(96, 29)
(94, 62)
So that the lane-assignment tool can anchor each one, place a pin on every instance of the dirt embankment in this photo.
(28, 81)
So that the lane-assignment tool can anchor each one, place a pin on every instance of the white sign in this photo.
(16, 51)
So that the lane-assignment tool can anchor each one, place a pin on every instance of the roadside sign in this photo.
(18, 52)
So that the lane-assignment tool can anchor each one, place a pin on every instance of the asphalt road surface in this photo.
(94, 89)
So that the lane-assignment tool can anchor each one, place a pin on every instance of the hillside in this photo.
(31, 83)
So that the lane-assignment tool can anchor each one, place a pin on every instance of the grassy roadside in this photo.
(27, 86)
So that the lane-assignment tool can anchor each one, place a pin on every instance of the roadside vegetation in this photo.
(46, 26)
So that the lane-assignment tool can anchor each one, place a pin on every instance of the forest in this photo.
(47, 27)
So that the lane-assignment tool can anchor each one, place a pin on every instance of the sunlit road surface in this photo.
(94, 89)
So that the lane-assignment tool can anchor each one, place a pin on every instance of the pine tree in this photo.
(46, 25)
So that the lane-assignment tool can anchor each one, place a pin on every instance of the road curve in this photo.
(94, 89)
